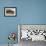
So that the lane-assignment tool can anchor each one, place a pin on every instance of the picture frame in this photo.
(40, 28)
(10, 11)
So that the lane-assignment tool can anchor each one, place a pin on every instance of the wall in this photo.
(28, 12)
(8, 24)
(33, 12)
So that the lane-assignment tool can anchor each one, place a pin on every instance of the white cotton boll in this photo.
(24, 33)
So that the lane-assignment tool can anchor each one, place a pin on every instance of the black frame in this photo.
(10, 7)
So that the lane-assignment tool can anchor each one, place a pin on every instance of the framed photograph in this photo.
(31, 32)
(10, 11)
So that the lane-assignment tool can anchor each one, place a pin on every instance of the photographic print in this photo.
(32, 32)
(10, 11)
